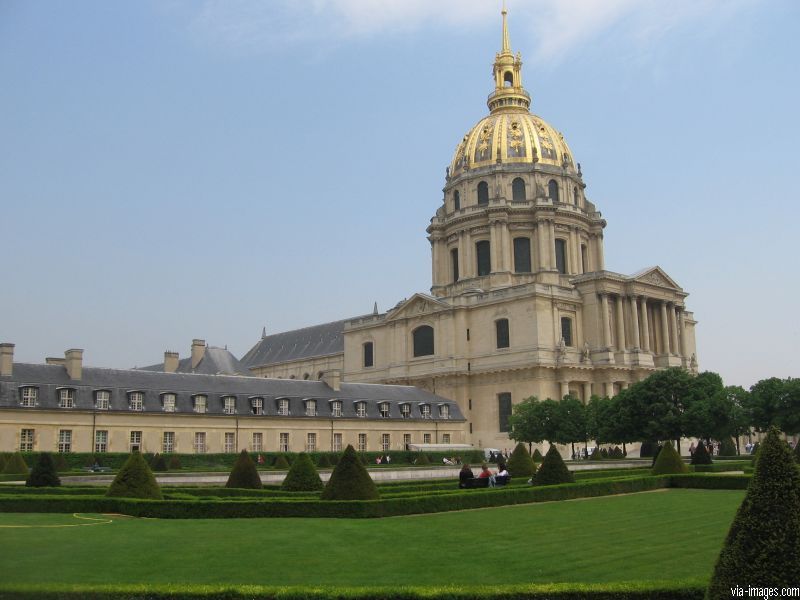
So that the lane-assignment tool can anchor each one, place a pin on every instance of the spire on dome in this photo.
(508, 95)
(506, 39)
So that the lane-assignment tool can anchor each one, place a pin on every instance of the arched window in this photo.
(575, 195)
(561, 256)
(501, 329)
(484, 257)
(566, 330)
(483, 193)
(522, 255)
(584, 258)
(369, 356)
(456, 200)
(552, 190)
(518, 190)
(454, 263)
(423, 341)
(508, 79)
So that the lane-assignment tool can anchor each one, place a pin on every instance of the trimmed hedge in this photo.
(43, 473)
(350, 480)
(302, 476)
(15, 465)
(668, 461)
(134, 480)
(553, 469)
(520, 463)
(244, 473)
(700, 456)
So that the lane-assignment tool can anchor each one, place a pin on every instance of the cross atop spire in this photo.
(508, 95)
(506, 38)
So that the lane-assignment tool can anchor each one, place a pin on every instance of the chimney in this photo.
(170, 361)
(54, 360)
(198, 351)
(73, 361)
(333, 379)
(6, 360)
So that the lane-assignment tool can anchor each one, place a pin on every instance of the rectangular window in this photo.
(284, 442)
(257, 406)
(384, 408)
(362, 442)
(200, 406)
(361, 409)
(445, 438)
(566, 330)
(425, 409)
(311, 442)
(426, 438)
(66, 398)
(65, 440)
(584, 259)
(444, 411)
(168, 442)
(561, 256)
(101, 441)
(405, 410)
(454, 263)
(484, 258)
(229, 405)
(504, 410)
(311, 408)
(337, 442)
(26, 440)
(369, 354)
(230, 442)
(406, 440)
(336, 408)
(169, 402)
(386, 442)
(136, 441)
(102, 399)
(501, 329)
(136, 400)
(283, 407)
(200, 442)
(258, 442)
(28, 397)
(522, 255)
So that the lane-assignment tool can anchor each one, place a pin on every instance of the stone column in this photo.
(601, 262)
(610, 389)
(634, 312)
(551, 233)
(673, 324)
(587, 391)
(542, 261)
(620, 324)
(564, 389)
(574, 252)
(508, 258)
(664, 328)
(645, 327)
(605, 320)
(494, 247)
(682, 329)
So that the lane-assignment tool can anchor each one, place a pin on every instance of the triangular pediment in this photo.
(416, 305)
(655, 276)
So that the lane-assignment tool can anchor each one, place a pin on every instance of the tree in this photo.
(520, 463)
(701, 455)
(350, 480)
(571, 425)
(244, 473)
(669, 461)
(302, 476)
(533, 421)
(43, 473)
(775, 402)
(15, 465)
(762, 548)
(707, 411)
(553, 469)
(135, 480)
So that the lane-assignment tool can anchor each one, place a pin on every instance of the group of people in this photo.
(466, 474)
(383, 460)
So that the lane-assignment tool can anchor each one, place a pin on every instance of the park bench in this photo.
(483, 482)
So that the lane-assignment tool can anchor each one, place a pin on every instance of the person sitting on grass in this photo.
(463, 475)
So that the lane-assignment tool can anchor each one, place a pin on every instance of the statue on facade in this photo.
(586, 353)
(693, 362)
(561, 350)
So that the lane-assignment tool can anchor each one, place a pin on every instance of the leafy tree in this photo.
(571, 423)
(281, 462)
(701, 455)
(533, 421)
(302, 476)
(669, 461)
(776, 402)
(350, 480)
(553, 469)
(708, 411)
(43, 473)
(762, 548)
(135, 480)
(15, 465)
(520, 463)
(244, 473)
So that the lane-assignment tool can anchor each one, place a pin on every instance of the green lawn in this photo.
(665, 535)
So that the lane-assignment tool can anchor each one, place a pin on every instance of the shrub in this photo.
(323, 461)
(423, 459)
(15, 465)
(668, 462)
(350, 480)
(537, 456)
(60, 461)
(727, 447)
(174, 463)
(302, 477)
(520, 463)
(43, 473)
(596, 454)
(797, 452)
(158, 463)
(647, 449)
(701, 455)
(334, 458)
(762, 548)
(135, 480)
(553, 469)
(244, 473)
(603, 453)
(656, 452)
(281, 462)
(3, 459)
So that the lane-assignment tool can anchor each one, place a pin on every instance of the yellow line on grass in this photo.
(95, 520)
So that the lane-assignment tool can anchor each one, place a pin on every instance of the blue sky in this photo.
(181, 169)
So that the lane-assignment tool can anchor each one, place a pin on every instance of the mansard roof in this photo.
(215, 361)
(120, 382)
(309, 342)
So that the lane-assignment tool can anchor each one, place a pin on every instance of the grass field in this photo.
(665, 535)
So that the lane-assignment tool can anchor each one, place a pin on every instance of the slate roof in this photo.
(49, 378)
(318, 340)
(215, 361)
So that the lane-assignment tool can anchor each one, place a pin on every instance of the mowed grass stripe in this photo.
(650, 536)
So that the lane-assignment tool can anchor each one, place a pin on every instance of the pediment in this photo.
(418, 304)
(655, 276)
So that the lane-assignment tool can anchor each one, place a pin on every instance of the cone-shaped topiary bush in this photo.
(159, 463)
(596, 455)
(244, 473)
(701, 455)
(303, 476)
(553, 469)
(3, 459)
(61, 463)
(647, 449)
(281, 462)
(174, 463)
(43, 473)
(668, 462)
(15, 465)
(323, 461)
(537, 456)
(762, 548)
(727, 447)
(520, 463)
(423, 459)
(350, 480)
(135, 480)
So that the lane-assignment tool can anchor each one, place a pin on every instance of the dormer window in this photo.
(66, 398)
(336, 408)
(311, 408)
(28, 396)
(168, 402)
(136, 401)
(425, 410)
(200, 404)
(257, 406)
(102, 399)
(405, 411)
(361, 409)
(384, 408)
(283, 407)
(229, 405)
(444, 411)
